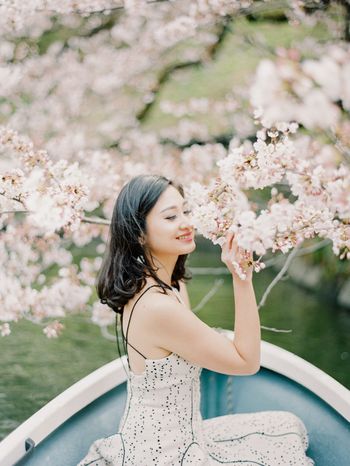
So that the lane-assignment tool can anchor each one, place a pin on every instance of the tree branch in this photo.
(344, 151)
(14, 212)
(210, 52)
(96, 220)
(301, 252)
(223, 139)
(279, 276)
(164, 76)
(277, 330)
(217, 284)
(346, 4)
(16, 199)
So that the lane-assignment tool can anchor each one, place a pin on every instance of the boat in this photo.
(60, 433)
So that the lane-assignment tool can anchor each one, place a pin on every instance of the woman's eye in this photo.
(186, 212)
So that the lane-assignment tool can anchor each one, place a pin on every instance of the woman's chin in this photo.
(190, 247)
(185, 248)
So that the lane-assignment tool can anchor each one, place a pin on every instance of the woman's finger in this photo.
(229, 238)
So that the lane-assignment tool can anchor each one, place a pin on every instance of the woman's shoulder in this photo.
(151, 295)
(149, 309)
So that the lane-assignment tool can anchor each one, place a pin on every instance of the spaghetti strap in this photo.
(127, 329)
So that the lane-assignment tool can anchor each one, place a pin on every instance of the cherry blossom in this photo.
(72, 113)
(281, 225)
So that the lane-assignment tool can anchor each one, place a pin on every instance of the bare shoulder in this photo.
(147, 300)
(158, 301)
(154, 307)
(184, 293)
(164, 303)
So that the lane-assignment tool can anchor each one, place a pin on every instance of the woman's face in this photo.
(168, 226)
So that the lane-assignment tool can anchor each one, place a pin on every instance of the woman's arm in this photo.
(175, 329)
(247, 338)
(247, 320)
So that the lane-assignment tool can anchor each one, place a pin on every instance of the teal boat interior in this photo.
(329, 431)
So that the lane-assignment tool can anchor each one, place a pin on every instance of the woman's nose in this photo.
(186, 223)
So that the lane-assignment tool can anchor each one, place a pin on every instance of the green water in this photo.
(35, 369)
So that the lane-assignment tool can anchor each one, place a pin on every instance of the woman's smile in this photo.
(187, 237)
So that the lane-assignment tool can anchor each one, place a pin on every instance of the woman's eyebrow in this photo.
(173, 207)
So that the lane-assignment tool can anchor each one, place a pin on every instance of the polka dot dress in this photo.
(162, 425)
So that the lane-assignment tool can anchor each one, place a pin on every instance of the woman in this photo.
(143, 280)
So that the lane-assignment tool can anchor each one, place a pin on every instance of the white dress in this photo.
(162, 425)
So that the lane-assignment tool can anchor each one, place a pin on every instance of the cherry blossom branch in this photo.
(277, 330)
(96, 220)
(118, 7)
(301, 252)
(279, 276)
(92, 220)
(5, 212)
(315, 247)
(269, 263)
(211, 51)
(15, 199)
(263, 7)
(217, 284)
(163, 78)
(251, 40)
(213, 291)
(344, 150)
(346, 5)
(296, 253)
(247, 10)
(223, 139)
(106, 7)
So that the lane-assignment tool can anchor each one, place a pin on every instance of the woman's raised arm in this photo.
(175, 329)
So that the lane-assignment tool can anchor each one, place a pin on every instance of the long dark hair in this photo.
(126, 264)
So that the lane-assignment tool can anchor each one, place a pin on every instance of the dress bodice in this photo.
(164, 404)
(162, 426)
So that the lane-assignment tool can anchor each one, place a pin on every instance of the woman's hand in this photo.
(238, 261)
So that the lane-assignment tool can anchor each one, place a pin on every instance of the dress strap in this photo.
(178, 296)
(127, 329)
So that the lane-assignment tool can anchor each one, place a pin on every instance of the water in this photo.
(35, 369)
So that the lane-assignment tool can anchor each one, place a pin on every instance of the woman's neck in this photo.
(164, 267)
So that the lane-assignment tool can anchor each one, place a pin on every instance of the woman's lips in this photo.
(185, 237)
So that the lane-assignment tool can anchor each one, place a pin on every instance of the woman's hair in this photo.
(126, 264)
